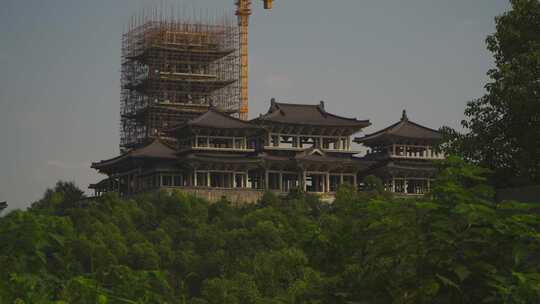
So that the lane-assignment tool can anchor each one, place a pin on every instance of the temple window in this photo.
(240, 180)
(240, 143)
(255, 180)
(201, 179)
(412, 151)
(315, 182)
(273, 181)
(290, 181)
(221, 179)
(408, 185)
(335, 181)
(178, 181)
(399, 185)
(295, 141)
(287, 142)
(202, 141)
(292, 141)
(221, 143)
(345, 143)
(316, 142)
(306, 142)
(166, 180)
(274, 139)
(417, 186)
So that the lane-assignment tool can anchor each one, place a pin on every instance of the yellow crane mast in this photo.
(243, 11)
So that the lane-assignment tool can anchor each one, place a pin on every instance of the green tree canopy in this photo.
(454, 245)
(503, 126)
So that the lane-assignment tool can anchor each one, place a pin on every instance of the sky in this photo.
(369, 59)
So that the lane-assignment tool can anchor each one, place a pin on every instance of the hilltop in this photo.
(454, 245)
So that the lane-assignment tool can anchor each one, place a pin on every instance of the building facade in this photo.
(292, 146)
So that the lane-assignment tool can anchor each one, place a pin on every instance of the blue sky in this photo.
(60, 63)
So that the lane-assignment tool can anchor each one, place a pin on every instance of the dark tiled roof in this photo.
(403, 129)
(303, 114)
(222, 157)
(216, 120)
(312, 156)
(411, 167)
(102, 184)
(156, 149)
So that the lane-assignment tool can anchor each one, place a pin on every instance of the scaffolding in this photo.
(173, 70)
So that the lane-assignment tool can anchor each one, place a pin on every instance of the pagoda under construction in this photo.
(174, 70)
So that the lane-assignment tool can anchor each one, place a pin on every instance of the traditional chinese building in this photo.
(291, 146)
(403, 154)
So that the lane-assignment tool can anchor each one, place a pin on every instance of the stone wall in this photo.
(237, 196)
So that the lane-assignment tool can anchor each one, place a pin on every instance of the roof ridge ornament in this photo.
(404, 116)
(322, 109)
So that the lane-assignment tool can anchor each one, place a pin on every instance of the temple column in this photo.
(393, 185)
(355, 186)
(266, 179)
(195, 178)
(405, 186)
(280, 181)
(327, 184)
(208, 179)
(304, 184)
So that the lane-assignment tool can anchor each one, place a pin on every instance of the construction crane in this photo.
(243, 11)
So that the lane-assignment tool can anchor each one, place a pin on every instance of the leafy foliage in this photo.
(452, 246)
(504, 125)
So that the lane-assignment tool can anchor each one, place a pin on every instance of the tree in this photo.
(64, 195)
(454, 245)
(504, 125)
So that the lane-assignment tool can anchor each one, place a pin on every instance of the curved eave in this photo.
(358, 123)
(389, 138)
(188, 129)
(420, 169)
(392, 133)
(117, 165)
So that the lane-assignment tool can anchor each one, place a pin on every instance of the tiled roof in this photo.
(403, 129)
(217, 120)
(303, 114)
(156, 149)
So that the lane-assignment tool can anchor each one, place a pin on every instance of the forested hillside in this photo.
(453, 246)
